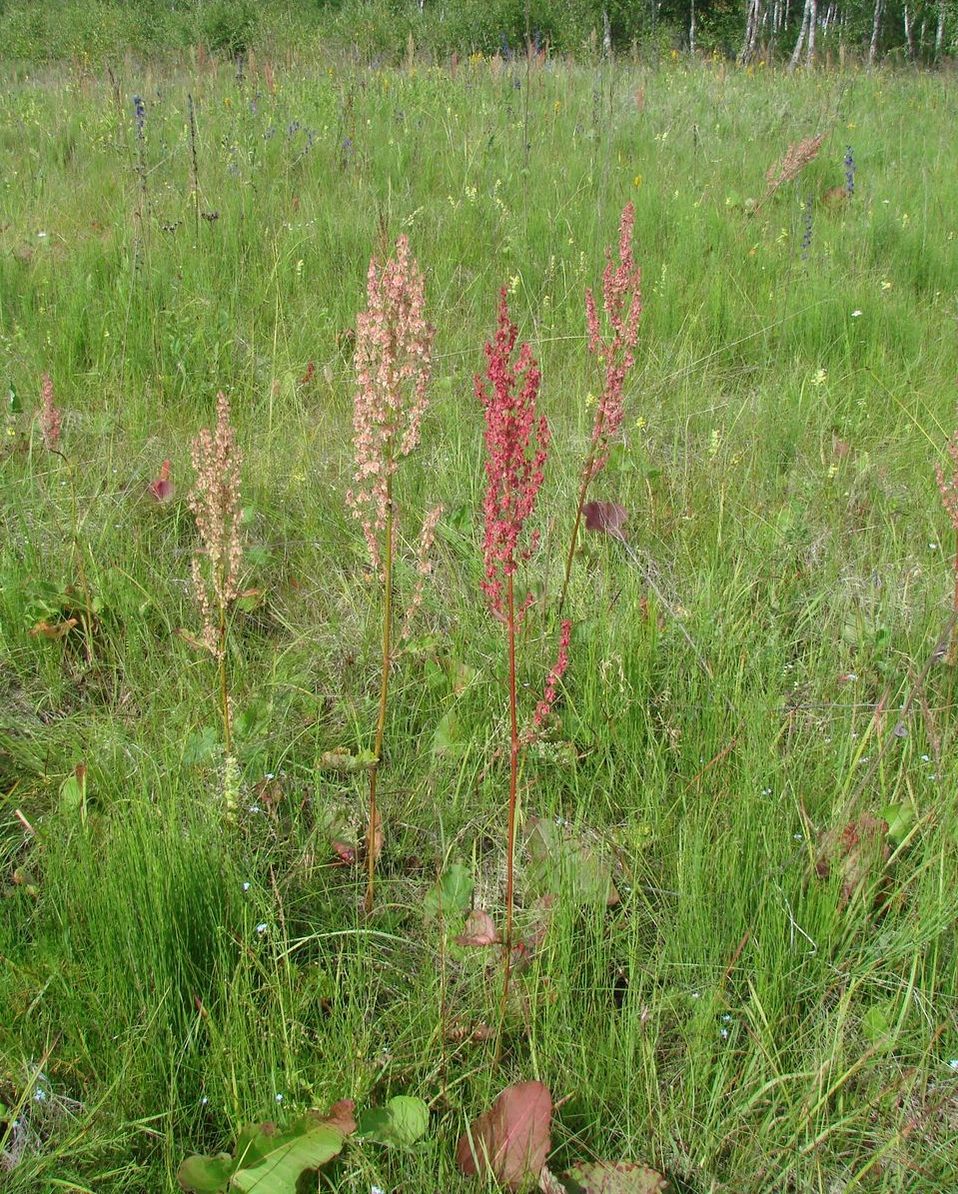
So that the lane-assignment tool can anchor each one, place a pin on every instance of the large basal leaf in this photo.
(511, 1140)
(403, 1121)
(271, 1161)
(562, 862)
(206, 1175)
(450, 895)
(613, 1177)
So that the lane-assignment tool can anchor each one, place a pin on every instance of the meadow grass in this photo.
(166, 972)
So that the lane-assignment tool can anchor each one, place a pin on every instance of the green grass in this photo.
(783, 423)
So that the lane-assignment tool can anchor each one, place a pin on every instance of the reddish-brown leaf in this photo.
(607, 517)
(341, 1117)
(345, 853)
(511, 1140)
(480, 930)
(161, 487)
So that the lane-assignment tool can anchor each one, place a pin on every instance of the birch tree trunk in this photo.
(802, 33)
(940, 31)
(909, 33)
(753, 22)
(812, 22)
(876, 32)
(692, 27)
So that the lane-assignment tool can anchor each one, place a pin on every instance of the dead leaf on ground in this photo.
(341, 1116)
(480, 930)
(613, 1177)
(53, 630)
(511, 1141)
(860, 851)
(607, 517)
(477, 1032)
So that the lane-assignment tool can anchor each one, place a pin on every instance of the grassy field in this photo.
(771, 1005)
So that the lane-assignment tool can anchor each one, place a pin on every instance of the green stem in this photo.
(78, 560)
(570, 555)
(383, 694)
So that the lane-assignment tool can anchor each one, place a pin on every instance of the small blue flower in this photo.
(139, 114)
(849, 171)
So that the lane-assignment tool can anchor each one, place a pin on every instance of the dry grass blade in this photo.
(796, 158)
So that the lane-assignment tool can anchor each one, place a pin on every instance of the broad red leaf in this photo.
(613, 1177)
(511, 1140)
(861, 851)
(345, 853)
(161, 487)
(341, 1117)
(480, 930)
(607, 517)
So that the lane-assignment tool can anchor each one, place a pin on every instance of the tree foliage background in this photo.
(919, 31)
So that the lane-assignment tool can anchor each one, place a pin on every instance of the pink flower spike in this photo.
(544, 708)
(161, 487)
(517, 442)
(622, 304)
(215, 502)
(393, 361)
(51, 421)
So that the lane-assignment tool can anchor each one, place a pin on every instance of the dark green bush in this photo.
(228, 26)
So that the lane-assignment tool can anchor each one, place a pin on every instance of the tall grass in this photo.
(730, 1020)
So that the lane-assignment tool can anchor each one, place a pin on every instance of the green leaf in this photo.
(901, 819)
(271, 1161)
(73, 791)
(258, 557)
(341, 758)
(14, 406)
(446, 741)
(252, 721)
(250, 600)
(451, 894)
(561, 862)
(201, 746)
(403, 1121)
(206, 1175)
(875, 1026)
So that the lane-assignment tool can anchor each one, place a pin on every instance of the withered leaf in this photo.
(511, 1141)
(607, 517)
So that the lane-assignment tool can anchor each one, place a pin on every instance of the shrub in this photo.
(228, 26)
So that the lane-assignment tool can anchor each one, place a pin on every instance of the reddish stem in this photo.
(513, 787)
